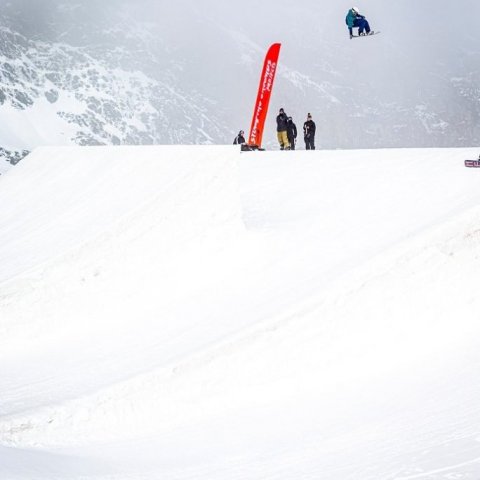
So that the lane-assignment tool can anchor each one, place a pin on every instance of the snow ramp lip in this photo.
(59, 198)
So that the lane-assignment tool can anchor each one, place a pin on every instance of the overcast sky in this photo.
(216, 47)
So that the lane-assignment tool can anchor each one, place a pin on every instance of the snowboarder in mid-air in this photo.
(355, 20)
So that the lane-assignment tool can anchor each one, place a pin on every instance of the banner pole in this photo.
(263, 95)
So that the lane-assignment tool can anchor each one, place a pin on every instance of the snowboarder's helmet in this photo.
(356, 9)
(241, 132)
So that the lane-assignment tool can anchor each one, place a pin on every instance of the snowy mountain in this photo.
(191, 312)
(89, 73)
(62, 87)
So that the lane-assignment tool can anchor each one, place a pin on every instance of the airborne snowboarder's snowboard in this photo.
(472, 163)
(371, 35)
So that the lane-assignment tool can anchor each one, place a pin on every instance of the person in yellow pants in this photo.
(282, 130)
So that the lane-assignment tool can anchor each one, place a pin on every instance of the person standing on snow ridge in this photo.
(282, 130)
(239, 139)
(355, 20)
(309, 129)
(291, 133)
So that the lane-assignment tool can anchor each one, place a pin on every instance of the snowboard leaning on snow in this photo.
(472, 163)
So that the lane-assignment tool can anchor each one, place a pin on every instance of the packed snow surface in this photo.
(177, 313)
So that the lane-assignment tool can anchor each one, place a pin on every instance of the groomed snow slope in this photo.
(197, 313)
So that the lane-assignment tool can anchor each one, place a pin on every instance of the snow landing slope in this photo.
(193, 312)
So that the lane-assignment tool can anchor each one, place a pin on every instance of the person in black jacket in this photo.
(309, 129)
(282, 130)
(239, 139)
(291, 133)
